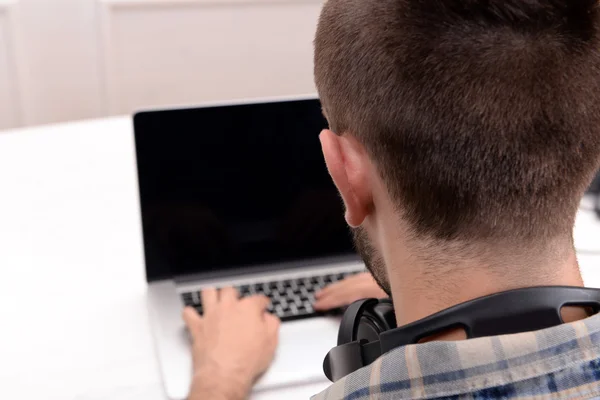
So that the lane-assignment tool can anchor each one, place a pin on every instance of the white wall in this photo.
(60, 60)
(10, 107)
(189, 52)
(90, 58)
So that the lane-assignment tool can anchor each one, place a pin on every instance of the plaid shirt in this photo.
(557, 363)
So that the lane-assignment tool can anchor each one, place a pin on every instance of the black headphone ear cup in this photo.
(365, 320)
(375, 320)
(351, 320)
(386, 315)
(362, 322)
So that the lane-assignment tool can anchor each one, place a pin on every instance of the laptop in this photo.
(239, 195)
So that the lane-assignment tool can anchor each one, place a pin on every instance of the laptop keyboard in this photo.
(291, 299)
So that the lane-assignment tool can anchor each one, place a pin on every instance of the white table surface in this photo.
(73, 322)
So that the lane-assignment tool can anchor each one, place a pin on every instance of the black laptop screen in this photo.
(235, 186)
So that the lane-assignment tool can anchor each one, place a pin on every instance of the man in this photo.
(463, 135)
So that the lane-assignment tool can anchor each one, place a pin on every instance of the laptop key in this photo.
(257, 288)
(196, 297)
(187, 299)
(274, 296)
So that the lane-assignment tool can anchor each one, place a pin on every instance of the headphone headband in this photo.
(367, 328)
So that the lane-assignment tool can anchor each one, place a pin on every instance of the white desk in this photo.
(73, 320)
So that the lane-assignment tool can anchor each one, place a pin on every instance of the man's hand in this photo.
(347, 291)
(233, 344)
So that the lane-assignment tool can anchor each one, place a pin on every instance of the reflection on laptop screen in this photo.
(235, 186)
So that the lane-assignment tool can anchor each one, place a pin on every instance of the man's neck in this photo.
(420, 290)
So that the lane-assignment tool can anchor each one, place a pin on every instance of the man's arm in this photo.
(209, 384)
(233, 343)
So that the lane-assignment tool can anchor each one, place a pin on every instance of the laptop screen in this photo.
(236, 186)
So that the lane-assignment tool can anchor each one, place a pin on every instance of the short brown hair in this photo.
(483, 117)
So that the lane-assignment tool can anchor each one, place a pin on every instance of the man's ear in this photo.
(348, 165)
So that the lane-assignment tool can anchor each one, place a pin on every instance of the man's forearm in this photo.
(210, 384)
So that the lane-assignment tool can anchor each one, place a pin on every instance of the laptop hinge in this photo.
(288, 266)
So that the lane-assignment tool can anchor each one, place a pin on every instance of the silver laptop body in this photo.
(237, 194)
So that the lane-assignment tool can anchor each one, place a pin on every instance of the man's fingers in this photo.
(193, 321)
(331, 301)
(228, 295)
(333, 288)
(258, 303)
(347, 284)
(331, 295)
(210, 298)
(337, 295)
(273, 324)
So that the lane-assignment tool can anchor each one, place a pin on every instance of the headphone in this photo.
(368, 328)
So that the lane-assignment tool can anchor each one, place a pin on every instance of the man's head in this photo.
(469, 123)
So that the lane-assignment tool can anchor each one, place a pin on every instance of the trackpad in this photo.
(302, 348)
